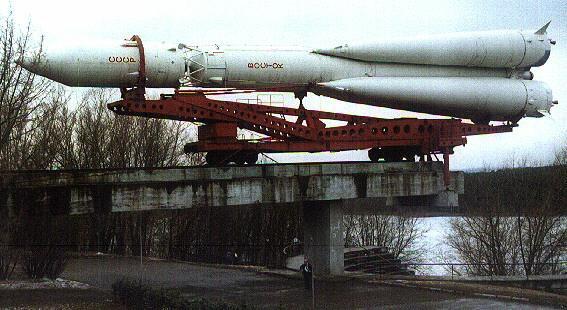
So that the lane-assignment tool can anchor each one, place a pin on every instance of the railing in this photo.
(561, 269)
(265, 99)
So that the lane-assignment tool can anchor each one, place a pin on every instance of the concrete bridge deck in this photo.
(322, 188)
(85, 191)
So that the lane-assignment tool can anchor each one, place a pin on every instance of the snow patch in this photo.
(43, 284)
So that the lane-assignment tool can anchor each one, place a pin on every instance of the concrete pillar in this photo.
(323, 236)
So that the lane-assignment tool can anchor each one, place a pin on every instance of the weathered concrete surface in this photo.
(323, 236)
(447, 198)
(85, 191)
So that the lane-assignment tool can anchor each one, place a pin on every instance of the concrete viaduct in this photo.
(325, 190)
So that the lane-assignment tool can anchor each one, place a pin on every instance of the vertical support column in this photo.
(446, 172)
(449, 197)
(323, 236)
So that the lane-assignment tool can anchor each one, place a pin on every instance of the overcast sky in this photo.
(320, 24)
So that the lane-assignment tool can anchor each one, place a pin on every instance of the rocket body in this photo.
(481, 76)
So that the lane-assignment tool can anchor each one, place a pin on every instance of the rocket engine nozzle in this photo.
(539, 99)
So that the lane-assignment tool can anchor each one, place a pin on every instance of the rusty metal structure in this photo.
(387, 139)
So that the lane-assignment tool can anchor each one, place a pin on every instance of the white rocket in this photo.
(481, 76)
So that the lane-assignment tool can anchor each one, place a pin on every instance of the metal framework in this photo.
(387, 139)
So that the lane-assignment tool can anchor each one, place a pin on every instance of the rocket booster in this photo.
(489, 49)
(482, 76)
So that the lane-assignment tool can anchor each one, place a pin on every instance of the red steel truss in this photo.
(387, 139)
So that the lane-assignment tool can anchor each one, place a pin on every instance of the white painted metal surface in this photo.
(475, 98)
(479, 75)
(299, 69)
(109, 64)
(492, 49)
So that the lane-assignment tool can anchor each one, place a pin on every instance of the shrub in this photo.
(44, 261)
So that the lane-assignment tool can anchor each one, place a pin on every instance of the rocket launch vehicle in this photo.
(482, 76)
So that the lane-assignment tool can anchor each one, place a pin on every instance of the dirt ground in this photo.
(57, 299)
(268, 291)
(236, 286)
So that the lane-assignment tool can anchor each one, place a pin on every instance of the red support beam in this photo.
(309, 134)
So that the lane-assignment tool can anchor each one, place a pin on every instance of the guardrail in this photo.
(560, 270)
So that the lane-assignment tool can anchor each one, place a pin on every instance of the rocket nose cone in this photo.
(30, 61)
(25, 63)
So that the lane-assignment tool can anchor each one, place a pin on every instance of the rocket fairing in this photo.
(108, 64)
(481, 76)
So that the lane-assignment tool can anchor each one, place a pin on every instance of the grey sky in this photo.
(320, 24)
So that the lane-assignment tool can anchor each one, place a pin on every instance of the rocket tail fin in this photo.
(543, 29)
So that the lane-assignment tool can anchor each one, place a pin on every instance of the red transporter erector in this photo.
(387, 139)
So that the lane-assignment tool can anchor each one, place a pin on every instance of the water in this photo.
(434, 243)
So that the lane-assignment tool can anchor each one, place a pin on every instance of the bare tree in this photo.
(504, 245)
(561, 155)
(65, 123)
(519, 225)
(104, 139)
(41, 147)
(93, 130)
(542, 240)
(542, 228)
(21, 94)
(400, 234)
(487, 244)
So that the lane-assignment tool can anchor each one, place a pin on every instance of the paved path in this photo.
(241, 286)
